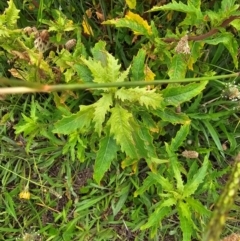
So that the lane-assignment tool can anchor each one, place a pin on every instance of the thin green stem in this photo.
(35, 87)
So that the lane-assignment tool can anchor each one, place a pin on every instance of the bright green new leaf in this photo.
(105, 72)
(145, 97)
(11, 14)
(197, 206)
(102, 106)
(159, 179)
(177, 94)
(138, 65)
(105, 155)
(181, 135)
(178, 67)
(171, 116)
(195, 3)
(123, 75)
(113, 68)
(229, 41)
(99, 72)
(186, 222)
(197, 179)
(131, 4)
(80, 120)
(121, 130)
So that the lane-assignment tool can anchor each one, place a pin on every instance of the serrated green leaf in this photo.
(181, 135)
(11, 14)
(197, 206)
(186, 222)
(105, 72)
(121, 130)
(175, 6)
(102, 106)
(105, 155)
(229, 41)
(123, 75)
(133, 21)
(80, 120)
(177, 94)
(175, 167)
(112, 68)
(138, 64)
(166, 185)
(83, 72)
(195, 3)
(225, 4)
(178, 67)
(146, 136)
(236, 24)
(171, 116)
(197, 179)
(145, 97)
(68, 74)
(160, 212)
(99, 52)
(139, 143)
(99, 72)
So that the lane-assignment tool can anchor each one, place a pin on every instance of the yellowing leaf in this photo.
(190, 63)
(149, 75)
(87, 29)
(131, 3)
(133, 21)
(139, 20)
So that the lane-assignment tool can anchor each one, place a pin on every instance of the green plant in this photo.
(104, 106)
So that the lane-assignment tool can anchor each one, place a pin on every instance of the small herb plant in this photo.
(177, 133)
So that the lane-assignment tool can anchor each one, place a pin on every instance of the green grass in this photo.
(148, 190)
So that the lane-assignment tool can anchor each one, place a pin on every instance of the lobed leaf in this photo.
(121, 130)
(102, 106)
(11, 14)
(145, 97)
